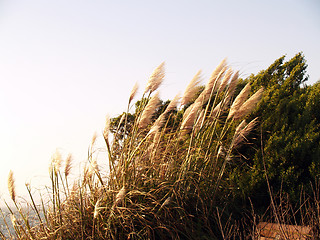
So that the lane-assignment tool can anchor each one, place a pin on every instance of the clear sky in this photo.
(64, 65)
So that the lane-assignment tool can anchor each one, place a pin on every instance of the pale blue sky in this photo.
(65, 64)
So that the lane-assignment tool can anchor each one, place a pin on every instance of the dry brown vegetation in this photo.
(167, 177)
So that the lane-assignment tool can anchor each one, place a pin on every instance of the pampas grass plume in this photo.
(216, 110)
(155, 79)
(190, 115)
(68, 166)
(214, 79)
(240, 127)
(249, 105)
(149, 111)
(239, 100)
(173, 104)
(11, 186)
(242, 132)
(133, 92)
(191, 90)
(232, 85)
(225, 80)
(94, 138)
(106, 129)
(158, 124)
(56, 160)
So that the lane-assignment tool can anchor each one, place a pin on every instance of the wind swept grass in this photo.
(167, 169)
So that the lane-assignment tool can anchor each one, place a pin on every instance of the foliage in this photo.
(176, 171)
(288, 140)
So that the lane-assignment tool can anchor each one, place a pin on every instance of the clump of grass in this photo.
(166, 176)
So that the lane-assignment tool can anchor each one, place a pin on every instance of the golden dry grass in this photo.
(167, 170)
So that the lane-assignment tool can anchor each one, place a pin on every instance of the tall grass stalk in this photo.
(167, 176)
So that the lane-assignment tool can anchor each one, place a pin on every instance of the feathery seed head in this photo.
(149, 111)
(240, 127)
(94, 138)
(155, 128)
(225, 79)
(202, 98)
(213, 83)
(249, 105)
(217, 73)
(239, 100)
(232, 85)
(219, 77)
(173, 104)
(219, 68)
(189, 116)
(155, 79)
(214, 80)
(11, 186)
(133, 92)
(216, 110)
(56, 160)
(68, 165)
(242, 132)
(192, 89)
(164, 116)
(106, 129)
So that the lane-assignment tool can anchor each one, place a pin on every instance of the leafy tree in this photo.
(289, 135)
